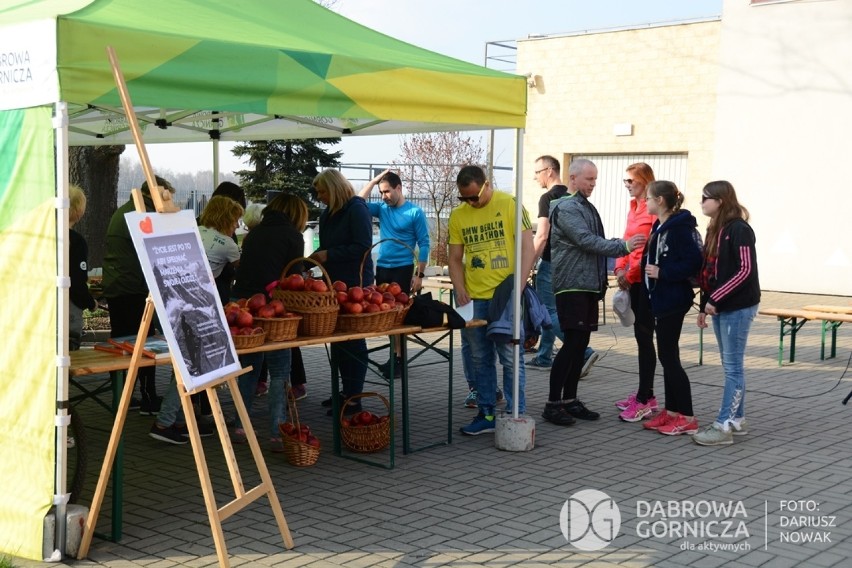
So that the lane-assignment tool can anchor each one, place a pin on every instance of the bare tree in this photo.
(95, 169)
(431, 162)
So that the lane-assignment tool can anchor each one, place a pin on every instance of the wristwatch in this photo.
(421, 275)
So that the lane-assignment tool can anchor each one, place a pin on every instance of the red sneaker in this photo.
(661, 419)
(679, 425)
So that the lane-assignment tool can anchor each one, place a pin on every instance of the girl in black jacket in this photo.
(730, 294)
(672, 257)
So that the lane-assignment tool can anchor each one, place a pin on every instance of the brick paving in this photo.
(469, 504)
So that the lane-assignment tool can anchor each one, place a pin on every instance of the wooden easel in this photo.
(163, 204)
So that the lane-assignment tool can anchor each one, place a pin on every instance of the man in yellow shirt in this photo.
(481, 256)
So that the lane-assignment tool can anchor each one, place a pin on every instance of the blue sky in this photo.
(461, 29)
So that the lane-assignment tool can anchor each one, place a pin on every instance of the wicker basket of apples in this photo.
(312, 299)
(365, 432)
(277, 323)
(301, 447)
(369, 308)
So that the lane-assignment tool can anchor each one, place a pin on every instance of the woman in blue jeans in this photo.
(730, 294)
(267, 249)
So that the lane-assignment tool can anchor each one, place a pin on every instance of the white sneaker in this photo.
(588, 363)
(739, 428)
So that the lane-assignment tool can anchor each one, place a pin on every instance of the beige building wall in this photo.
(661, 80)
(784, 121)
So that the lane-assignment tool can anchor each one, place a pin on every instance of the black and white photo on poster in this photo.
(185, 293)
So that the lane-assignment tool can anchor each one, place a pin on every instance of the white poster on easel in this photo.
(184, 293)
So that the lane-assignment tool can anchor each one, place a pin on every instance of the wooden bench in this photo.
(793, 319)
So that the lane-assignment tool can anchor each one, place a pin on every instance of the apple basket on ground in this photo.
(317, 306)
(365, 435)
(301, 447)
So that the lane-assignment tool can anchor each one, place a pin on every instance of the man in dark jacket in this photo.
(578, 253)
(126, 291)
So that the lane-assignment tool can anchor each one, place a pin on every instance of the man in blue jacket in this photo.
(403, 228)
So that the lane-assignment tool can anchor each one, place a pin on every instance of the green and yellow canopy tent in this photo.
(196, 70)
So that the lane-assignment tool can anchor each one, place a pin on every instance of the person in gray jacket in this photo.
(578, 254)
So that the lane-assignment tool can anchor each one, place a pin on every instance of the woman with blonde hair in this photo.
(730, 295)
(218, 222)
(345, 235)
(78, 256)
(628, 272)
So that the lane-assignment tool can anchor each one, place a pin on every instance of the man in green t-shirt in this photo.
(481, 256)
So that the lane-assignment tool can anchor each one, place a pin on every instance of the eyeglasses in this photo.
(706, 197)
(627, 181)
(473, 198)
(536, 172)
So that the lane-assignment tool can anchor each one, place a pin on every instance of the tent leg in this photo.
(60, 499)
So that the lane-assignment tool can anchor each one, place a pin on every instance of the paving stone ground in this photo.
(468, 504)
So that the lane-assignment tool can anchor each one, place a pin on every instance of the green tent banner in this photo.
(28, 328)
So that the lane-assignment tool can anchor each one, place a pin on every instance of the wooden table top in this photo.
(90, 361)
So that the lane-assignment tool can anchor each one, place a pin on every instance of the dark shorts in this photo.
(400, 274)
(577, 311)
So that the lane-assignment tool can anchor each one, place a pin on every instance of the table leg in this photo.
(406, 418)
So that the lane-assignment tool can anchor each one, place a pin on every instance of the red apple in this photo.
(394, 289)
(231, 316)
(372, 308)
(256, 302)
(244, 318)
(288, 428)
(234, 330)
(376, 298)
(402, 298)
(342, 297)
(353, 308)
(388, 298)
(296, 282)
(356, 294)
(318, 286)
(266, 311)
(385, 307)
(339, 286)
(279, 307)
(383, 287)
(242, 302)
(313, 441)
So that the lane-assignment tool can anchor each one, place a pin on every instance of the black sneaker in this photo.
(351, 408)
(327, 402)
(206, 426)
(397, 368)
(150, 407)
(555, 414)
(578, 410)
(170, 434)
(135, 403)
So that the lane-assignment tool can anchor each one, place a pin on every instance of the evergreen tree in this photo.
(285, 165)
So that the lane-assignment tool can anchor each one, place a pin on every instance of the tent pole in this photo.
(60, 497)
(519, 278)
(215, 164)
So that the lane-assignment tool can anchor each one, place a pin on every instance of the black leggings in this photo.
(678, 389)
(567, 365)
(643, 330)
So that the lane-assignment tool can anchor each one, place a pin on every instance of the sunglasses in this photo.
(472, 198)
(706, 197)
(536, 172)
(627, 181)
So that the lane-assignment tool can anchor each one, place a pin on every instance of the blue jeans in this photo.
(483, 356)
(544, 289)
(170, 409)
(731, 329)
(278, 363)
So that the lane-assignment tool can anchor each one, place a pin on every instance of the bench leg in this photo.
(789, 326)
(833, 325)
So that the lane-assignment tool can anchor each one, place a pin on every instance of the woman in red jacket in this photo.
(628, 271)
